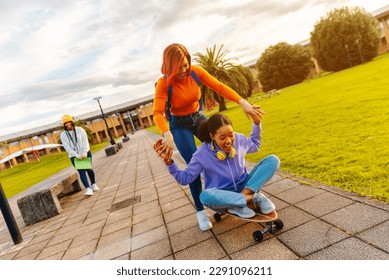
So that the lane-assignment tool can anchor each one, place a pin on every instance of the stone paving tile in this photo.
(145, 192)
(58, 238)
(42, 237)
(116, 236)
(280, 186)
(80, 250)
(239, 238)
(292, 217)
(148, 238)
(91, 227)
(124, 257)
(179, 213)
(57, 256)
(49, 251)
(175, 204)
(73, 221)
(119, 215)
(169, 192)
(207, 250)
(116, 226)
(81, 239)
(299, 193)
(269, 249)
(188, 238)
(140, 207)
(148, 198)
(150, 224)
(378, 236)
(9, 256)
(113, 250)
(166, 185)
(151, 213)
(349, 249)
(30, 256)
(182, 224)
(172, 197)
(356, 217)
(154, 251)
(311, 237)
(324, 203)
(37, 247)
(95, 217)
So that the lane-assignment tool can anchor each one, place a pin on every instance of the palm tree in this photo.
(222, 68)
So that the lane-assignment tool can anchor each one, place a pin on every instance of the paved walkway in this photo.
(140, 212)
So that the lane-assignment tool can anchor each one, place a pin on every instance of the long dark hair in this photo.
(211, 125)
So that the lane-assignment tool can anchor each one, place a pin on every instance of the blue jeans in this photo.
(220, 199)
(184, 128)
(83, 173)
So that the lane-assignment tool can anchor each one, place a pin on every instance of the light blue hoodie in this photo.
(75, 146)
(221, 174)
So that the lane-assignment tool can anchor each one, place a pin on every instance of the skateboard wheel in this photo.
(278, 224)
(217, 217)
(258, 236)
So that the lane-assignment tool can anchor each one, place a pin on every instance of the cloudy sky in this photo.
(57, 55)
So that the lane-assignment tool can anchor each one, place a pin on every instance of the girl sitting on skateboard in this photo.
(228, 185)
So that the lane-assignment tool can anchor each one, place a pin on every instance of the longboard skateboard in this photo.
(270, 221)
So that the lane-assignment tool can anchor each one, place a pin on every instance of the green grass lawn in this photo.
(333, 129)
(21, 177)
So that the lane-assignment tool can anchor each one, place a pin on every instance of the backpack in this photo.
(170, 92)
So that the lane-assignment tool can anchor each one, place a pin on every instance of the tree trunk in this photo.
(221, 101)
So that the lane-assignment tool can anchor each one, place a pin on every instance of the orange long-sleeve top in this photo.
(186, 95)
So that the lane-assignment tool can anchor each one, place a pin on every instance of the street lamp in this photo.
(112, 141)
(348, 55)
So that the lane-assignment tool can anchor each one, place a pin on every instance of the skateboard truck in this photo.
(276, 224)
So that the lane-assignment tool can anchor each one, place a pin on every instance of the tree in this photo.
(246, 72)
(283, 65)
(220, 67)
(344, 38)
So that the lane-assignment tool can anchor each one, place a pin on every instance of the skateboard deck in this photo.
(259, 216)
(270, 221)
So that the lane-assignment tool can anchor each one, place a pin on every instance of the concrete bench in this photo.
(45, 203)
(111, 150)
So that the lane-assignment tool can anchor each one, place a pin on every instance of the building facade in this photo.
(29, 145)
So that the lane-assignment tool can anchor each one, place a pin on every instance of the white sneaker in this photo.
(95, 188)
(243, 212)
(88, 192)
(203, 219)
(263, 203)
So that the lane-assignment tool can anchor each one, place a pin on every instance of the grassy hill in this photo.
(334, 129)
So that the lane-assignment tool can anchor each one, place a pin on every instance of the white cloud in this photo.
(56, 56)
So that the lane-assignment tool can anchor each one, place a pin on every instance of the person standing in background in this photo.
(75, 141)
